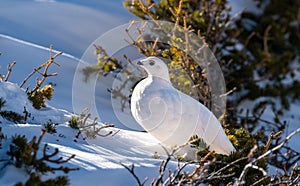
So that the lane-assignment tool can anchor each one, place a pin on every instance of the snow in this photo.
(291, 116)
(99, 159)
(27, 30)
(28, 27)
(245, 5)
(67, 25)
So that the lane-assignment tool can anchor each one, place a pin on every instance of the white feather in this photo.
(171, 116)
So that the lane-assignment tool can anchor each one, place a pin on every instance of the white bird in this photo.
(171, 116)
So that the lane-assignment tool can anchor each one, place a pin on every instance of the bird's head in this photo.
(155, 67)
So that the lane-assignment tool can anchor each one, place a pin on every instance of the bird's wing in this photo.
(205, 125)
(158, 105)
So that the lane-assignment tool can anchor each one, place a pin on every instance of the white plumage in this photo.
(171, 116)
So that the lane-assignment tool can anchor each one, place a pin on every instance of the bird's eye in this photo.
(151, 62)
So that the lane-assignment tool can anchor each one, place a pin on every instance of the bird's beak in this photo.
(140, 63)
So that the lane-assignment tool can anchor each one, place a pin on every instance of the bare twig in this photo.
(229, 92)
(240, 180)
(266, 38)
(227, 166)
(285, 140)
(247, 41)
(131, 170)
(201, 163)
(271, 138)
(260, 180)
(91, 129)
(44, 74)
(179, 171)
(204, 179)
(31, 74)
(9, 69)
(164, 163)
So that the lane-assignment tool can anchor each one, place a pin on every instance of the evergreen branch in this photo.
(24, 154)
(2, 103)
(12, 116)
(64, 169)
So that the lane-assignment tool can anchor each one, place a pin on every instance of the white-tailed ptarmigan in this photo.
(171, 116)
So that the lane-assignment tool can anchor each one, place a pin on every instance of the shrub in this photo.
(39, 96)
(73, 123)
(35, 180)
(24, 154)
(1, 137)
(10, 115)
(256, 54)
(50, 127)
(90, 129)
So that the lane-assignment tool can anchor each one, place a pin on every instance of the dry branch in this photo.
(201, 164)
(44, 74)
(132, 172)
(241, 179)
(91, 129)
(9, 69)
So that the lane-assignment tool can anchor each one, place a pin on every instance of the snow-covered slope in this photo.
(29, 27)
(69, 26)
(99, 159)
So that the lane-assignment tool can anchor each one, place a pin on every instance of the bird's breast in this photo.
(149, 106)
